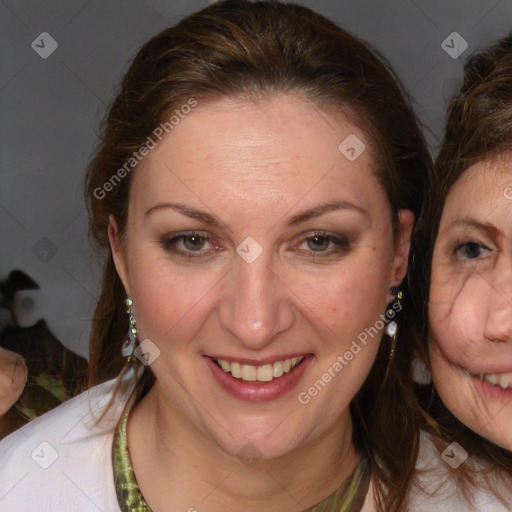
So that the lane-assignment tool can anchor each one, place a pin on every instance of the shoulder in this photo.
(62, 460)
(436, 488)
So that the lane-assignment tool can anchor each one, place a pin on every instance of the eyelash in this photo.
(340, 243)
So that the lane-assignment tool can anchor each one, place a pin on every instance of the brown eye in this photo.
(324, 244)
(190, 245)
(319, 243)
(194, 242)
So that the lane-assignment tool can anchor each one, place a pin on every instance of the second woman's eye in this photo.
(471, 250)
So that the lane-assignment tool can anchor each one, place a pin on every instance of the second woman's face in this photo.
(471, 301)
(260, 257)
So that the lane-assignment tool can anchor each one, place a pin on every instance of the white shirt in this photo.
(62, 462)
(440, 492)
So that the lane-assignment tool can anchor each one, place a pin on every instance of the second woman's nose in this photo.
(498, 306)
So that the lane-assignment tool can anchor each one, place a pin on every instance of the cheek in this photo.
(442, 371)
(355, 288)
(167, 300)
(452, 297)
(340, 303)
(450, 384)
(444, 288)
(344, 317)
(457, 315)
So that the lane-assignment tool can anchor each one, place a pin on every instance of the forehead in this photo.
(485, 189)
(277, 150)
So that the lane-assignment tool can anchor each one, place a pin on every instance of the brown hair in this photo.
(259, 49)
(479, 127)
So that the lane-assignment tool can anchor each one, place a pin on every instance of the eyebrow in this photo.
(215, 221)
(202, 216)
(316, 211)
(469, 222)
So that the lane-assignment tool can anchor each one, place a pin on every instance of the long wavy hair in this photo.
(237, 48)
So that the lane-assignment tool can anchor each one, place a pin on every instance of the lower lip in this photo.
(486, 388)
(253, 391)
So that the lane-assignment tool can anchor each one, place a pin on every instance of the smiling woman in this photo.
(316, 234)
(255, 248)
(471, 292)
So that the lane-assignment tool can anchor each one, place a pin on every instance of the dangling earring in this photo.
(392, 327)
(129, 344)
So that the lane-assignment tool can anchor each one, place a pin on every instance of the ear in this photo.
(402, 247)
(118, 253)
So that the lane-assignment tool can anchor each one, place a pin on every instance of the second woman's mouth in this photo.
(503, 380)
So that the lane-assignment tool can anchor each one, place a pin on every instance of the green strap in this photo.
(348, 498)
(129, 497)
(351, 495)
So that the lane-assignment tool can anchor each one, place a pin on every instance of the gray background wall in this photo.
(51, 108)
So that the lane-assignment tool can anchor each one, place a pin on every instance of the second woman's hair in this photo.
(479, 127)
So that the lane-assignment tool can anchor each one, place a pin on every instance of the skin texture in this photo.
(254, 166)
(471, 298)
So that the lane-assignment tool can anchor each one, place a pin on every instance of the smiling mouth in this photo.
(265, 373)
(499, 380)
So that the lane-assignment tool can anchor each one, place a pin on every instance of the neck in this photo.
(178, 467)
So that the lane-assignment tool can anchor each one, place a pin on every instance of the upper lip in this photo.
(487, 371)
(258, 362)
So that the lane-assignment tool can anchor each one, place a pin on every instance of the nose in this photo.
(498, 321)
(256, 306)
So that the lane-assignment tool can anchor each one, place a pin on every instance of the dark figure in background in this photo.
(55, 373)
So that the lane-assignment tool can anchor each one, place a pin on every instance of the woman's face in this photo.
(471, 301)
(256, 256)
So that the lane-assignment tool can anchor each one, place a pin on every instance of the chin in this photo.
(499, 432)
(266, 442)
(258, 449)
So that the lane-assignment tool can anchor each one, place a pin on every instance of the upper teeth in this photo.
(504, 380)
(264, 373)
